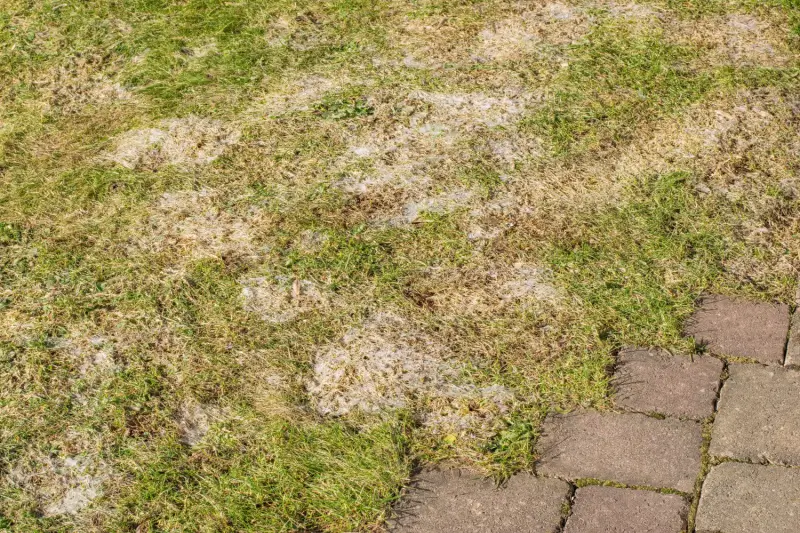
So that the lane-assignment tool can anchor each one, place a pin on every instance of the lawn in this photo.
(261, 259)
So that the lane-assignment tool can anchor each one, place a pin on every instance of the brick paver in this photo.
(654, 381)
(744, 498)
(458, 502)
(612, 510)
(739, 328)
(759, 416)
(628, 448)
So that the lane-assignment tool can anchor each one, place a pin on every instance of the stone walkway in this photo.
(652, 465)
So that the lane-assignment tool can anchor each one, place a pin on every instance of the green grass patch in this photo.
(293, 478)
(615, 82)
(639, 267)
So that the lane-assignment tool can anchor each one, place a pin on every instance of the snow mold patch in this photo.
(711, 137)
(82, 81)
(423, 135)
(194, 421)
(280, 299)
(441, 204)
(738, 39)
(480, 291)
(299, 95)
(184, 142)
(523, 282)
(193, 221)
(62, 485)
(386, 364)
(537, 30)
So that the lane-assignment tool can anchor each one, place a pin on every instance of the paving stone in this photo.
(739, 328)
(744, 498)
(759, 416)
(628, 448)
(458, 502)
(654, 381)
(612, 510)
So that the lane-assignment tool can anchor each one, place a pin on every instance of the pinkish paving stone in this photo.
(758, 419)
(745, 498)
(611, 510)
(654, 381)
(458, 502)
(627, 448)
(740, 328)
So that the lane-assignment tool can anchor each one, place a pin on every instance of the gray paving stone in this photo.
(653, 381)
(739, 328)
(628, 448)
(613, 510)
(759, 416)
(744, 498)
(458, 502)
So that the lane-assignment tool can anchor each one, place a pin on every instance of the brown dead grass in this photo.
(296, 95)
(412, 145)
(736, 39)
(540, 29)
(85, 80)
(486, 288)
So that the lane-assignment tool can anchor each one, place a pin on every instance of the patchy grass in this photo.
(260, 259)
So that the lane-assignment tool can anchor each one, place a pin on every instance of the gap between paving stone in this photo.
(792, 356)
(697, 393)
